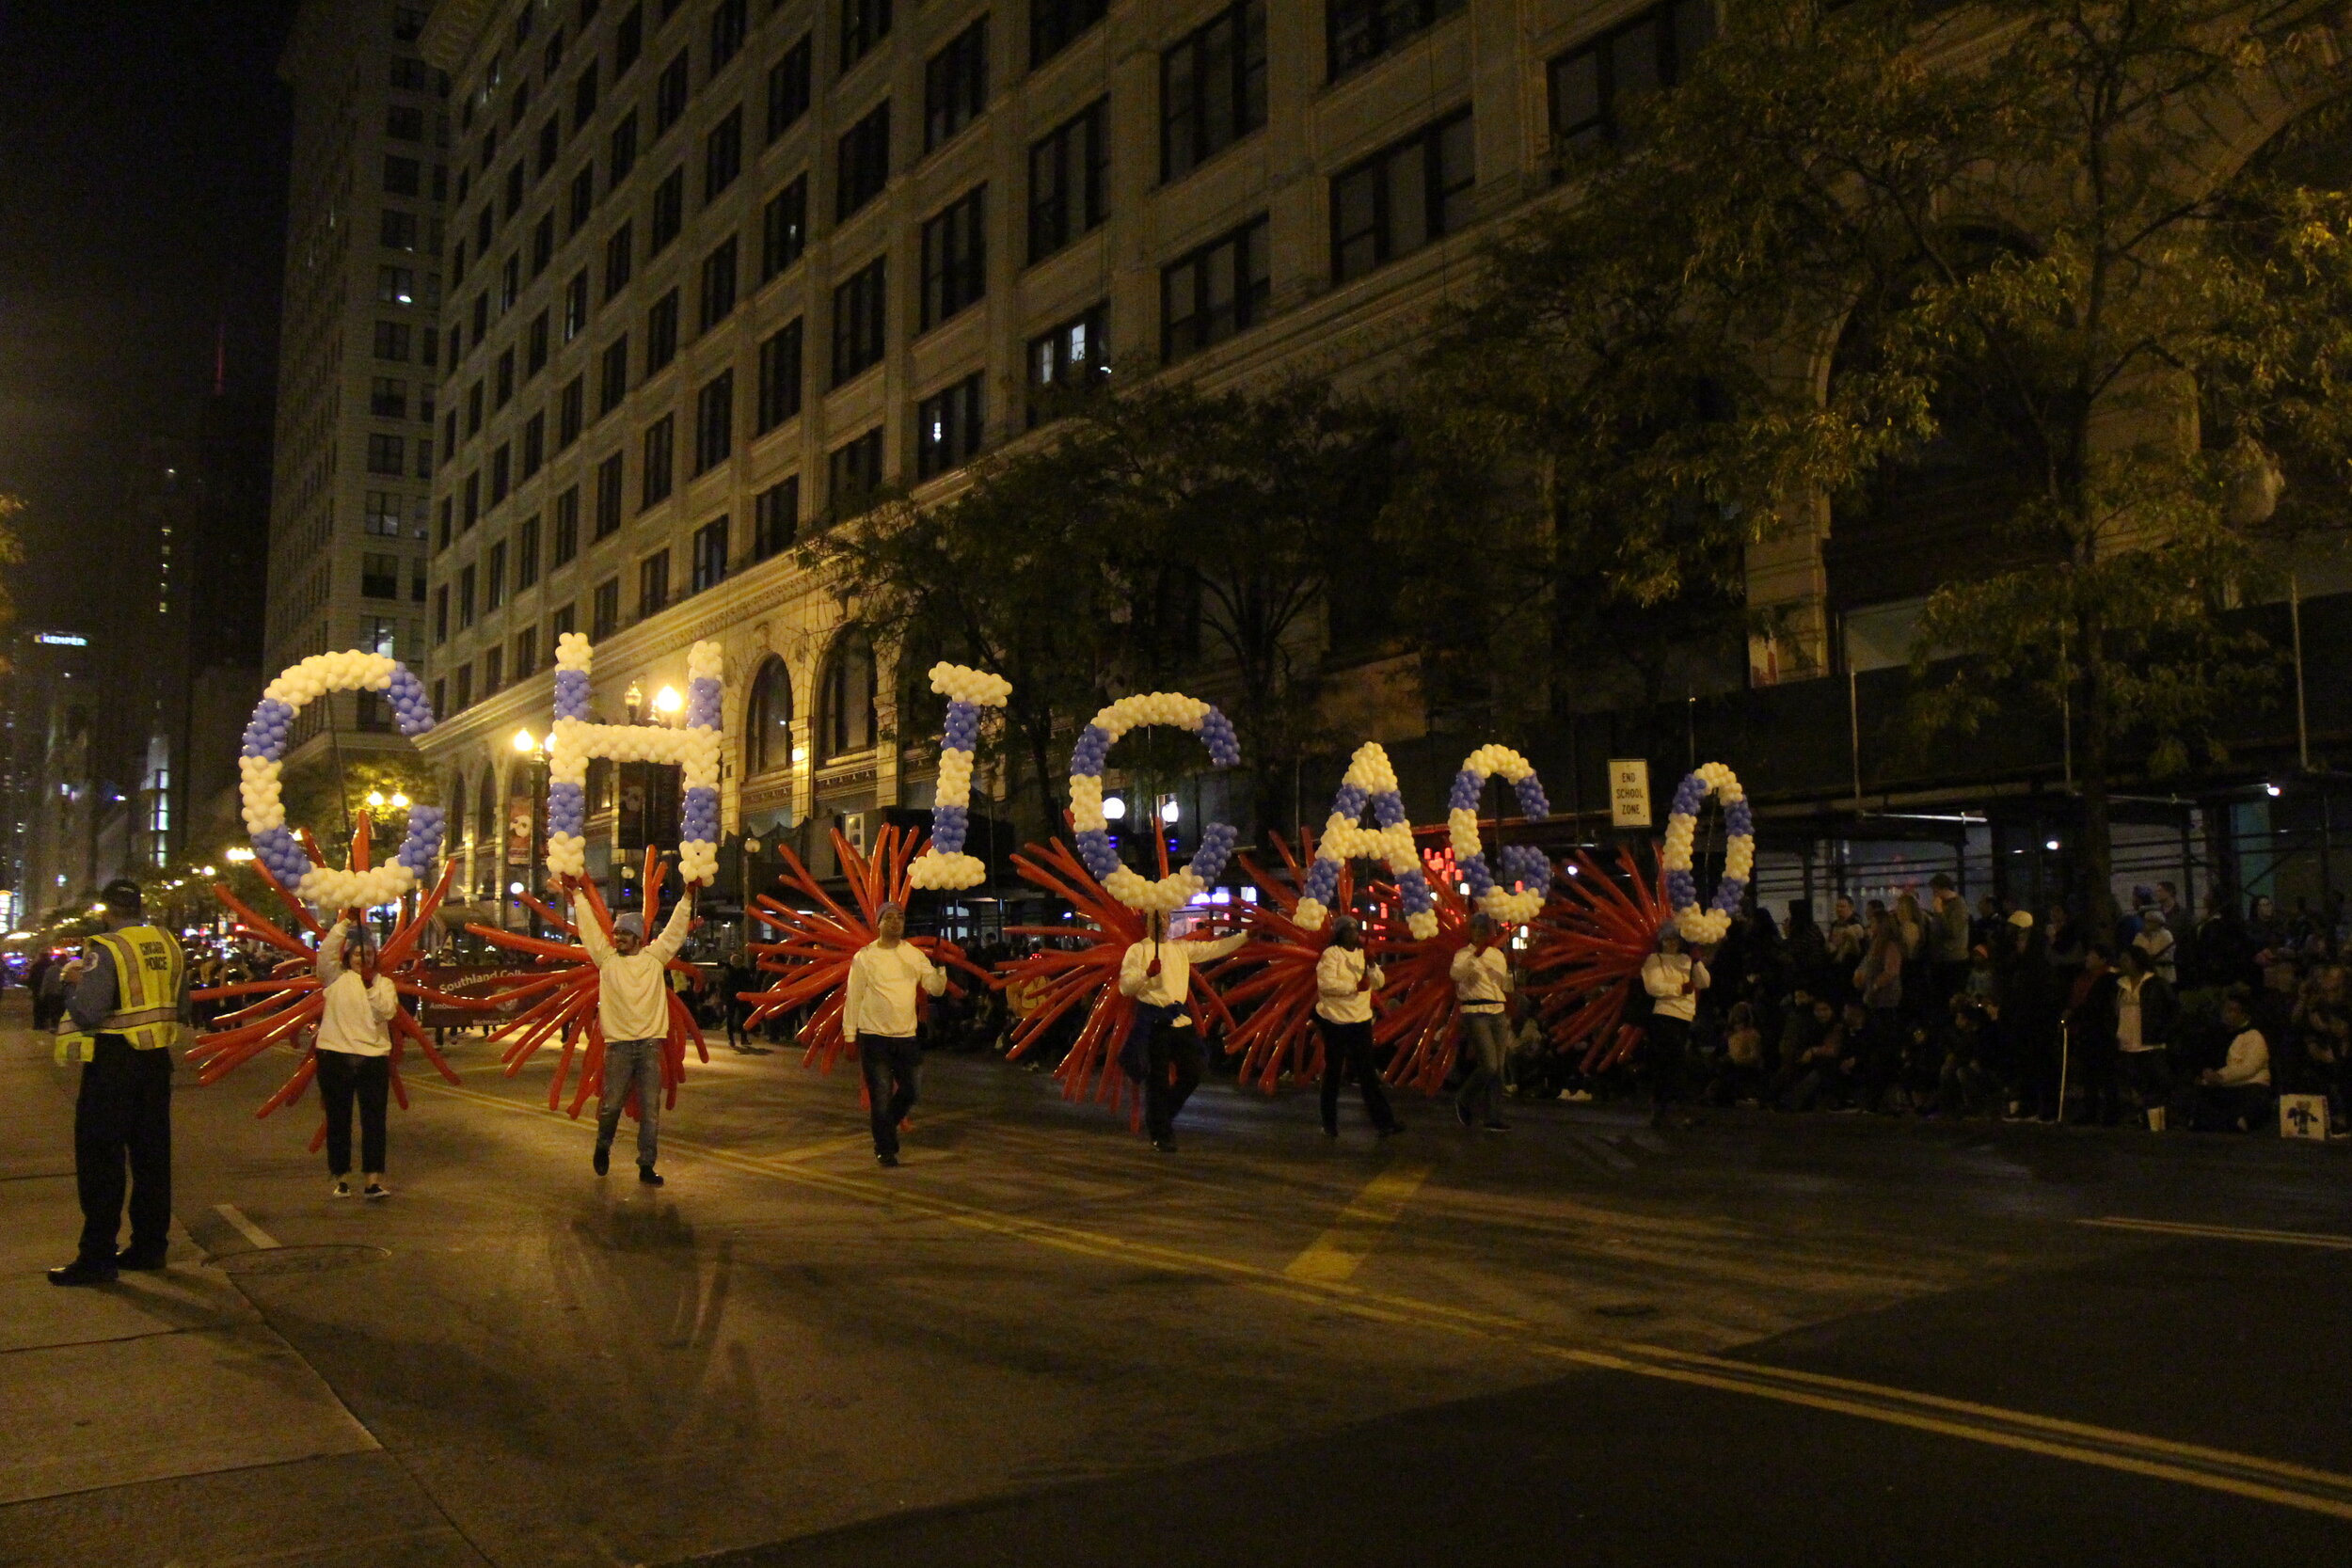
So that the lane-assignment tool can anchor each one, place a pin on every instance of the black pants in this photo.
(2147, 1075)
(1667, 1044)
(1172, 1074)
(123, 1117)
(891, 1063)
(2098, 1069)
(342, 1075)
(1345, 1046)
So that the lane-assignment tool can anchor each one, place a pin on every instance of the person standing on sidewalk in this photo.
(1949, 936)
(133, 1000)
(355, 1051)
(1163, 1043)
(1482, 979)
(633, 1008)
(1346, 979)
(877, 1016)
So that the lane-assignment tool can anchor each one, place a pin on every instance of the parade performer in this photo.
(878, 1017)
(1673, 979)
(633, 1008)
(1480, 972)
(132, 1002)
(1345, 980)
(1155, 973)
(354, 1051)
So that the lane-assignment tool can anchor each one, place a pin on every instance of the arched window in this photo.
(849, 706)
(767, 722)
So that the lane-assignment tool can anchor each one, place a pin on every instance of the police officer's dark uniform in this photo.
(132, 1002)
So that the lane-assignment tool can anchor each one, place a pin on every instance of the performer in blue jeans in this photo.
(877, 1016)
(633, 1008)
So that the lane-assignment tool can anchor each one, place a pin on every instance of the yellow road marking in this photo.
(1338, 1252)
(2225, 1232)
(862, 1140)
(2249, 1475)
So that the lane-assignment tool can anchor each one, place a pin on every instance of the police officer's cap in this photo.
(121, 895)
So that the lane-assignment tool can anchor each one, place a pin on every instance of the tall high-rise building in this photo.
(358, 356)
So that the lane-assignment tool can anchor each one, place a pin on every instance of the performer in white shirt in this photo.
(877, 1016)
(1157, 973)
(1482, 979)
(633, 1008)
(354, 1051)
(1346, 979)
(1673, 979)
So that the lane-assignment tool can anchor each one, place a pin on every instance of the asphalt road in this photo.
(1827, 1340)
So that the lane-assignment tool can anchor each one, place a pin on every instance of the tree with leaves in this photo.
(1154, 536)
(2011, 224)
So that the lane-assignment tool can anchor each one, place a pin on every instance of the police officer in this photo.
(133, 1001)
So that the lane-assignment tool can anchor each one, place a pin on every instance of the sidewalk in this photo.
(160, 1421)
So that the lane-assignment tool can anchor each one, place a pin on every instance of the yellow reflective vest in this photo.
(151, 980)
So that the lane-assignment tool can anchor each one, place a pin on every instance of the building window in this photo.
(493, 671)
(784, 229)
(1066, 361)
(661, 333)
(955, 85)
(722, 154)
(619, 257)
(465, 690)
(775, 517)
(613, 375)
(1212, 88)
(621, 151)
(856, 465)
(864, 24)
(848, 709)
(584, 99)
(565, 543)
(661, 469)
(534, 443)
(515, 187)
(473, 410)
(767, 720)
(535, 346)
(653, 583)
(379, 634)
(505, 378)
(388, 398)
(1218, 291)
(381, 515)
(1053, 23)
(788, 89)
(628, 38)
(550, 145)
(779, 376)
(710, 554)
(402, 176)
(947, 428)
(543, 243)
(608, 496)
(1402, 197)
(1590, 84)
(440, 697)
(391, 341)
(398, 231)
(1361, 30)
(494, 577)
(860, 315)
(379, 577)
(604, 615)
(526, 553)
(669, 95)
(526, 652)
(714, 422)
(465, 597)
(669, 211)
(569, 406)
(1070, 181)
(718, 292)
(440, 620)
(473, 514)
(863, 160)
(728, 22)
(395, 286)
(954, 257)
(583, 199)
(386, 455)
(563, 620)
(502, 471)
(576, 304)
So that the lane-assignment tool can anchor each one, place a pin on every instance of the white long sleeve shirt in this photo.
(1341, 995)
(1662, 976)
(879, 997)
(1174, 983)
(2249, 1061)
(1480, 979)
(358, 1016)
(633, 999)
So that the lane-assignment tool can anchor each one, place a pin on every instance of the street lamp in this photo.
(524, 743)
(667, 700)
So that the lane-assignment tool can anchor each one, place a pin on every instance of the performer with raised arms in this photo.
(354, 1051)
(633, 1010)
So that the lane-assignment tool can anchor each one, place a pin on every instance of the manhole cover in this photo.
(298, 1259)
(1628, 1309)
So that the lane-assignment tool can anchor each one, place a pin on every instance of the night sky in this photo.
(143, 152)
